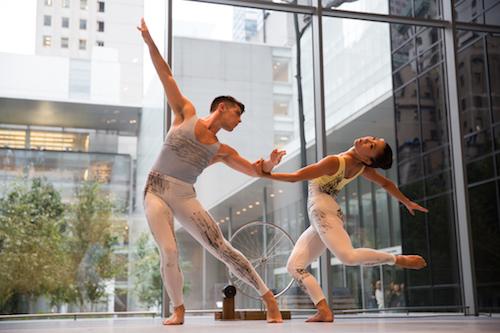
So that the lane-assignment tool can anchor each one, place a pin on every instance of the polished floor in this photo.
(343, 324)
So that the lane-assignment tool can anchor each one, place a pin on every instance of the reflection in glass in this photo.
(432, 109)
(407, 121)
(486, 236)
(493, 52)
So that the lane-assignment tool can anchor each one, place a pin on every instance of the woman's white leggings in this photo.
(166, 198)
(327, 231)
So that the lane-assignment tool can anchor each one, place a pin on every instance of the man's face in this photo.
(231, 116)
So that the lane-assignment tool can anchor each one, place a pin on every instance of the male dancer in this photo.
(192, 145)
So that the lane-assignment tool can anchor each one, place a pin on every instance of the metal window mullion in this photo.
(390, 216)
(464, 244)
(347, 213)
(167, 119)
(477, 27)
(359, 198)
(373, 194)
(263, 4)
(319, 124)
(385, 18)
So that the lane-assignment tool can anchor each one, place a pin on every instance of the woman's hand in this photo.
(412, 206)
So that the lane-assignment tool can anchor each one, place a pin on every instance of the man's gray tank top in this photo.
(182, 155)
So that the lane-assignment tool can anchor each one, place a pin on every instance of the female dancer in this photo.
(192, 145)
(327, 178)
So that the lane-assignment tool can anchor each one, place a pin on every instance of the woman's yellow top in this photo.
(333, 184)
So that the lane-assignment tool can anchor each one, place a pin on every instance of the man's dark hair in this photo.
(384, 160)
(226, 99)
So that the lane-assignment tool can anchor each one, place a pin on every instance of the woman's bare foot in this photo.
(410, 261)
(324, 313)
(177, 318)
(273, 312)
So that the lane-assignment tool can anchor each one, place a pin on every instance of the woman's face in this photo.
(369, 148)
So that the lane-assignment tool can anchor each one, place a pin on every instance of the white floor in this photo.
(343, 324)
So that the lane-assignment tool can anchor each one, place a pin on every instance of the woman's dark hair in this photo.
(384, 160)
(226, 99)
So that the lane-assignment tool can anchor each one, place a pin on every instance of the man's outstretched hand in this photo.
(276, 156)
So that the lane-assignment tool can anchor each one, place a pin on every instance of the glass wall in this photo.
(78, 138)
(77, 127)
(478, 58)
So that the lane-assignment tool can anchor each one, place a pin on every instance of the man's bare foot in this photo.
(324, 313)
(410, 261)
(177, 318)
(273, 312)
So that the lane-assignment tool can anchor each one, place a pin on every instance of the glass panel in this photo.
(480, 170)
(437, 160)
(466, 37)
(76, 142)
(432, 56)
(371, 275)
(257, 57)
(492, 14)
(469, 11)
(472, 84)
(415, 8)
(486, 242)
(478, 144)
(359, 102)
(353, 275)
(407, 121)
(493, 45)
(401, 34)
(403, 54)
(353, 220)
(384, 219)
(438, 184)
(377, 6)
(357, 70)
(367, 211)
(415, 240)
(443, 250)
(433, 109)
(476, 11)
(427, 8)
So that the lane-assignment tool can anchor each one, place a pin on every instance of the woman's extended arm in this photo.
(326, 166)
(372, 175)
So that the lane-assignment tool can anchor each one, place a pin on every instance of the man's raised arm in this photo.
(181, 106)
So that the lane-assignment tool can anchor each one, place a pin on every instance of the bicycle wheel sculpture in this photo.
(268, 247)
